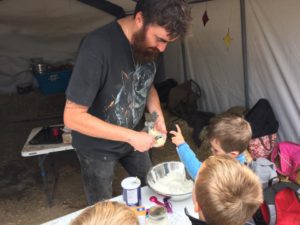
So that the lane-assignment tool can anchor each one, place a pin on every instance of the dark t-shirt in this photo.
(106, 80)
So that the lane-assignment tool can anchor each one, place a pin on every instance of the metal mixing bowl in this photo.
(161, 170)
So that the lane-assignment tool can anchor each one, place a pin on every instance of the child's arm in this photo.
(186, 154)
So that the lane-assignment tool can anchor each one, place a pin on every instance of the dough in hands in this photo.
(159, 137)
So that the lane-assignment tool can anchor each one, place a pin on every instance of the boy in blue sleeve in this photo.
(228, 135)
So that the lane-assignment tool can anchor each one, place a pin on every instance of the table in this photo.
(178, 216)
(33, 150)
(42, 151)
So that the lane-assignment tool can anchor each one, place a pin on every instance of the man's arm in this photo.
(76, 117)
(153, 105)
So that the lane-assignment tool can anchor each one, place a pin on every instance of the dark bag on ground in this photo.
(183, 99)
(281, 205)
(163, 89)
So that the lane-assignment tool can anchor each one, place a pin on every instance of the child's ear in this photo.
(196, 204)
(196, 207)
(234, 154)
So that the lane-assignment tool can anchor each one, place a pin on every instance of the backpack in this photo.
(262, 146)
(264, 127)
(286, 155)
(281, 205)
(262, 119)
(183, 99)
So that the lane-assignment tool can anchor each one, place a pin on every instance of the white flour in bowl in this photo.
(173, 183)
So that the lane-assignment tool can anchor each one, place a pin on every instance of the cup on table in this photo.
(157, 215)
(131, 191)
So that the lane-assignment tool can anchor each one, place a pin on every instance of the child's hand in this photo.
(177, 139)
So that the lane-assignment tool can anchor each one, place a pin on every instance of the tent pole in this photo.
(184, 62)
(244, 51)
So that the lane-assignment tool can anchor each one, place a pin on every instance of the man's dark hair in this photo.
(173, 15)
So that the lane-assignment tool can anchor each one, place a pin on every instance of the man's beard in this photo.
(142, 53)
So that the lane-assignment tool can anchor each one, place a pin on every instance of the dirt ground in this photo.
(22, 199)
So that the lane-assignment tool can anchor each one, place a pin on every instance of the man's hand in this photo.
(160, 126)
(141, 141)
(177, 139)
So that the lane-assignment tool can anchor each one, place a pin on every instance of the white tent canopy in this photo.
(53, 30)
(273, 46)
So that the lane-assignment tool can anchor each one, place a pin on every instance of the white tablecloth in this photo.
(176, 218)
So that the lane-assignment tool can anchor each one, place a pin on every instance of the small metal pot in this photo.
(39, 68)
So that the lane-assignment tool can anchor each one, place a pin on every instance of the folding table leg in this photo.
(44, 176)
(56, 176)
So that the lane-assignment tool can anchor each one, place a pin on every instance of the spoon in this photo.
(166, 203)
(155, 200)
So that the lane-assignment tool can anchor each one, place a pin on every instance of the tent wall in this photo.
(174, 62)
(273, 37)
(38, 28)
(273, 44)
(216, 69)
(52, 30)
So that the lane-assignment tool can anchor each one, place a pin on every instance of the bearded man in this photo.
(112, 85)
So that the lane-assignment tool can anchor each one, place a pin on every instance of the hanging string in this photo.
(230, 14)
(227, 39)
(205, 18)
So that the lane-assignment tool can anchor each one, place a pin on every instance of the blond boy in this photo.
(107, 213)
(225, 192)
(228, 135)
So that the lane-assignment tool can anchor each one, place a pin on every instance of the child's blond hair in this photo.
(233, 132)
(108, 212)
(227, 192)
